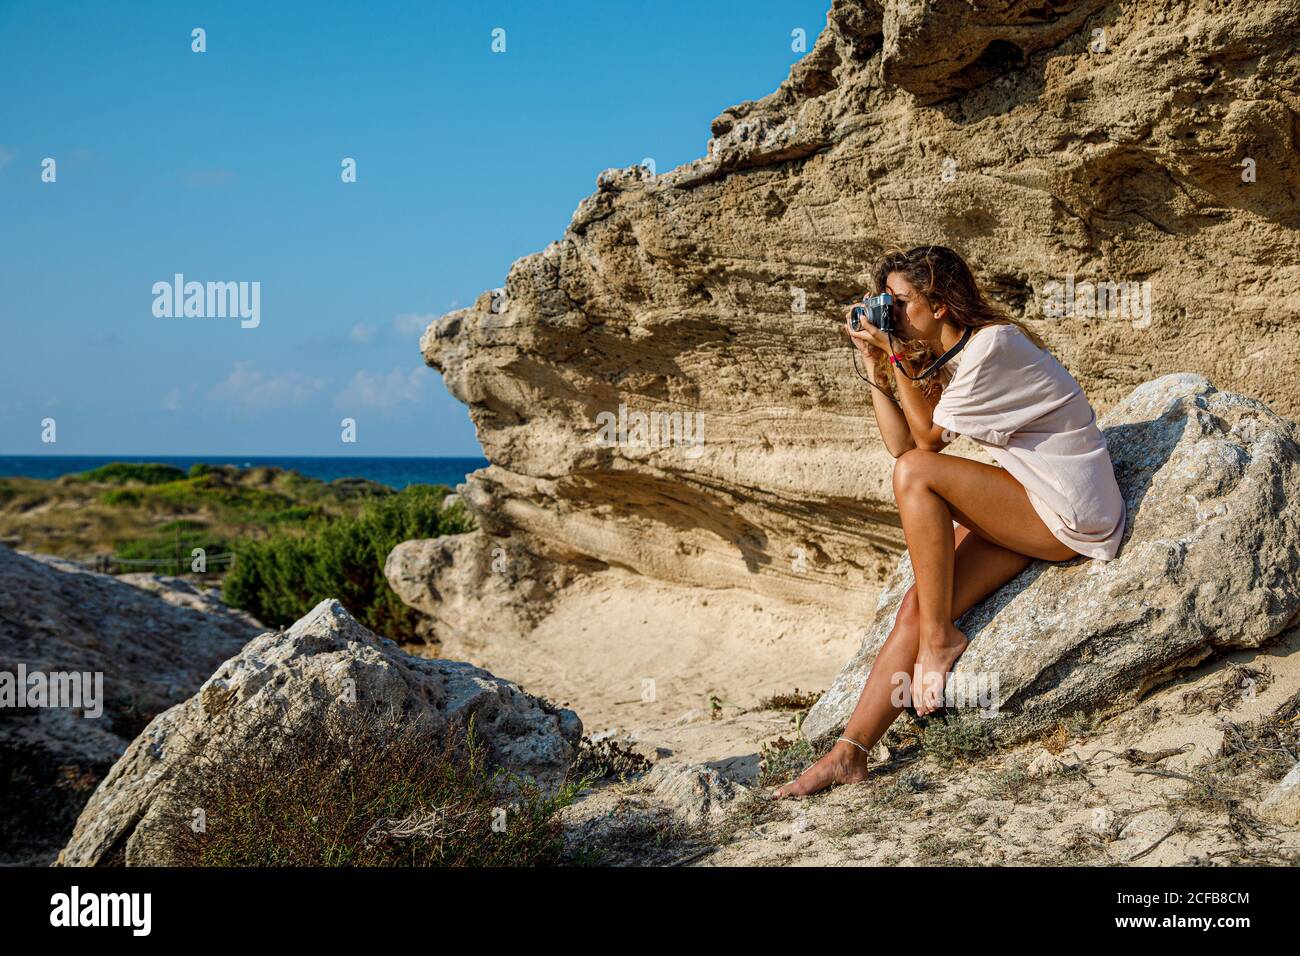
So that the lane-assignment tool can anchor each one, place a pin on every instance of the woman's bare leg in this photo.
(932, 489)
(979, 568)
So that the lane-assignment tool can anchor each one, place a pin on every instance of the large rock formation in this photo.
(1137, 142)
(1209, 563)
(282, 685)
(151, 651)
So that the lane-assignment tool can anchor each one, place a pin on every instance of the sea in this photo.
(395, 472)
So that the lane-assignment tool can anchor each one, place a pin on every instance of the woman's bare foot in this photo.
(844, 764)
(933, 662)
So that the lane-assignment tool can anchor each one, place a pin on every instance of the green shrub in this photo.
(163, 547)
(120, 472)
(280, 578)
(363, 789)
(296, 515)
(122, 497)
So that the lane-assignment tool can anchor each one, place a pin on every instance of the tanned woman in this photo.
(943, 362)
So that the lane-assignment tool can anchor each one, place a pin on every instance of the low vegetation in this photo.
(275, 541)
(368, 789)
(125, 510)
(606, 759)
(282, 577)
(795, 700)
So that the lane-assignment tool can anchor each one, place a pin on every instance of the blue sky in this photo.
(225, 166)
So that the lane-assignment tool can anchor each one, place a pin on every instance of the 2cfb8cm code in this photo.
(1214, 896)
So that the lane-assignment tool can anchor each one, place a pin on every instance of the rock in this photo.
(152, 650)
(696, 793)
(1282, 805)
(182, 593)
(1049, 143)
(495, 586)
(176, 591)
(1208, 564)
(281, 684)
(1045, 764)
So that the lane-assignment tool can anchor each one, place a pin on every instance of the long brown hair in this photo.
(943, 277)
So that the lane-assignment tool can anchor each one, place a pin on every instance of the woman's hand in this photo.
(867, 337)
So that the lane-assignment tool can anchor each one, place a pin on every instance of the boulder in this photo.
(181, 592)
(282, 684)
(1208, 564)
(150, 650)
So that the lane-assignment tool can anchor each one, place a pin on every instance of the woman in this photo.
(1053, 498)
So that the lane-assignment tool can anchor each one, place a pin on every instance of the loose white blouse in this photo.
(1017, 401)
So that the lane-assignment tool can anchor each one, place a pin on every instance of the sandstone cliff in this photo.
(1146, 142)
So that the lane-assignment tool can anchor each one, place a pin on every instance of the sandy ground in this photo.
(626, 654)
(653, 669)
(1079, 798)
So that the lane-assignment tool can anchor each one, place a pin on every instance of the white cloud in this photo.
(6, 156)
(377, 390)
(363, 333)
(256, 391)
(413, 323)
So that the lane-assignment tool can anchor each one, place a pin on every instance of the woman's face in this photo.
(912, 312)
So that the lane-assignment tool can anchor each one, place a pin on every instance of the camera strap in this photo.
(938, 363)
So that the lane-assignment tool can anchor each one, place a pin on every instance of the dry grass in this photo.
(366, 789)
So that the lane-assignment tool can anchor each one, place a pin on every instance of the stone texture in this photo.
(1111, 156)
(698, 794)
(280, 684)
(180, 592)
(153, 650)
(1282, 804)
(1208, 563)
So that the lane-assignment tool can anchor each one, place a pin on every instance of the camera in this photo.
(878, 310)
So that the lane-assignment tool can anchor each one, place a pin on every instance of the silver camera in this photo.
(878, 310)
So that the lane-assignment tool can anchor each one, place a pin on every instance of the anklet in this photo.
(856, 744)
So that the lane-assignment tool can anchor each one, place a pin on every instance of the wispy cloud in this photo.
(412, 323)
(363, 333)
(176, 397)
(377, 390)
(253, 390)
(6, 156)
